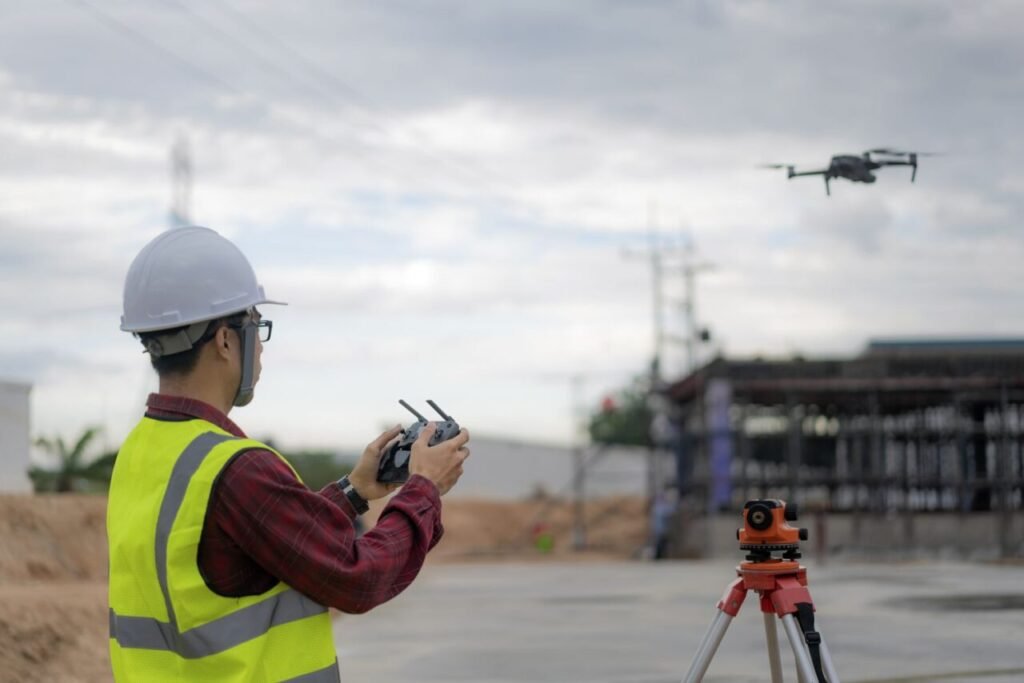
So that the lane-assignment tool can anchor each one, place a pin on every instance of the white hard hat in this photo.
(188, 275)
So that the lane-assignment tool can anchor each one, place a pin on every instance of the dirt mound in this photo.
(483, 529)
(53, 567)
(53, 538)
(54, 632)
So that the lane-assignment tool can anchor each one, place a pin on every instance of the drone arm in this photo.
(911, 161)
(796, 173)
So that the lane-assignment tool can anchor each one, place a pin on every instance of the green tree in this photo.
(624, 418)
(317, 468)
(74, 471)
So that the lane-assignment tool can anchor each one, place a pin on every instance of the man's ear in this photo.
(222, 341)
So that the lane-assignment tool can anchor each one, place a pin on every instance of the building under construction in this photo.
(907, 428)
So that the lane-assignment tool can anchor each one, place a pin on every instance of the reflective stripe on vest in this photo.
(223, 633)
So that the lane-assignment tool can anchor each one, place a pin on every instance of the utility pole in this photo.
(670, 258)
(666, 258)
(656, 256)
(579, 528)
(181, 183)
(695, 334)
(582, 455)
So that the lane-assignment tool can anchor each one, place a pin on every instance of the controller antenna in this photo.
(413, 411)
(440, 412)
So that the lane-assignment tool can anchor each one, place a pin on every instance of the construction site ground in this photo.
(489, 607)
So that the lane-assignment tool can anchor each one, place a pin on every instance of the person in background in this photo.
(663, 510)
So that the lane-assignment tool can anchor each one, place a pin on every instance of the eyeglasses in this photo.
(264, 328)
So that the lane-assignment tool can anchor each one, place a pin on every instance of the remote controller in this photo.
(394, 464)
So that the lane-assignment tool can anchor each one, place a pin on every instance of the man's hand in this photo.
(364, 475)
(441, 464)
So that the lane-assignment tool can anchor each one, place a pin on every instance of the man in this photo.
(222, 563)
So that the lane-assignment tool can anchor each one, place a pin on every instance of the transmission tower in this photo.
(181, 183)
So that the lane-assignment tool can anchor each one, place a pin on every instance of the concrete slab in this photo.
(642, 622)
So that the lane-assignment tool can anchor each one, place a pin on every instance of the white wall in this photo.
(14, 437)
(502, 468)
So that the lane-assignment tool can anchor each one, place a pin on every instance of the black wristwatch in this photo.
(358, 502)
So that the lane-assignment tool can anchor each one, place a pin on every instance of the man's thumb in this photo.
(426, 433)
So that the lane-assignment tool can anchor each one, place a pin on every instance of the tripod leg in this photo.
(804, 667)
(728, 607)
(826, 660)
(771, 635)
(708, 647)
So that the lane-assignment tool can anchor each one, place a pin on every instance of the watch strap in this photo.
(358, 502)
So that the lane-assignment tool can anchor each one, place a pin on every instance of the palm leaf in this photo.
(73, 467)
(99, 469)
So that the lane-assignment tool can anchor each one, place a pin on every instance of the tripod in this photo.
(782, 586)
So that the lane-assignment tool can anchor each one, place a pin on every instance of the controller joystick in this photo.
(394, 464)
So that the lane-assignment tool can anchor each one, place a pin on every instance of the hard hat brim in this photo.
(158, 327)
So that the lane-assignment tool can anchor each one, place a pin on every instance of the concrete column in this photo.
(794, 457)
(15, 440)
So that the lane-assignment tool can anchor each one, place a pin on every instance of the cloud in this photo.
(861, 222)
(444, 191)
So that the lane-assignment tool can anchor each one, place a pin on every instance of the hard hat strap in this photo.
(247, 334)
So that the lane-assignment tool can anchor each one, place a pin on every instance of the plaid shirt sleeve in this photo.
(307, 539)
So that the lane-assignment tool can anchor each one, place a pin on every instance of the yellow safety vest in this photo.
(165, 623)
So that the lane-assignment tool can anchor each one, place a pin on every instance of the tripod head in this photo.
(766, 530)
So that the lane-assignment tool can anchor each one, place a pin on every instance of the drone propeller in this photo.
(790, 168)
(900, 153)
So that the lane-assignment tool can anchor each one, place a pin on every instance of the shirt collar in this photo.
(166, 406)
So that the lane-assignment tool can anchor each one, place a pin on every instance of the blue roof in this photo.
(961, 344)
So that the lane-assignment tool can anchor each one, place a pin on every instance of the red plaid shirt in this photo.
(263, 525)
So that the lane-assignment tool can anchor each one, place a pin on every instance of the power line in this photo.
(209, 78)
(268, 63)
(474, 176)
(361, 100)
(120, 27)
(267, 37)
(301, 77)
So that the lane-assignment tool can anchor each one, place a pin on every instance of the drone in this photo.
(859, 168)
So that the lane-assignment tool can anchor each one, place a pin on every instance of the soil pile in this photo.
(53, 567)
(53, 591)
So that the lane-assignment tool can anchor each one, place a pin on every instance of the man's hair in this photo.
(184, 362)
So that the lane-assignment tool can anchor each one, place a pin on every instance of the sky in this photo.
(456, 198)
